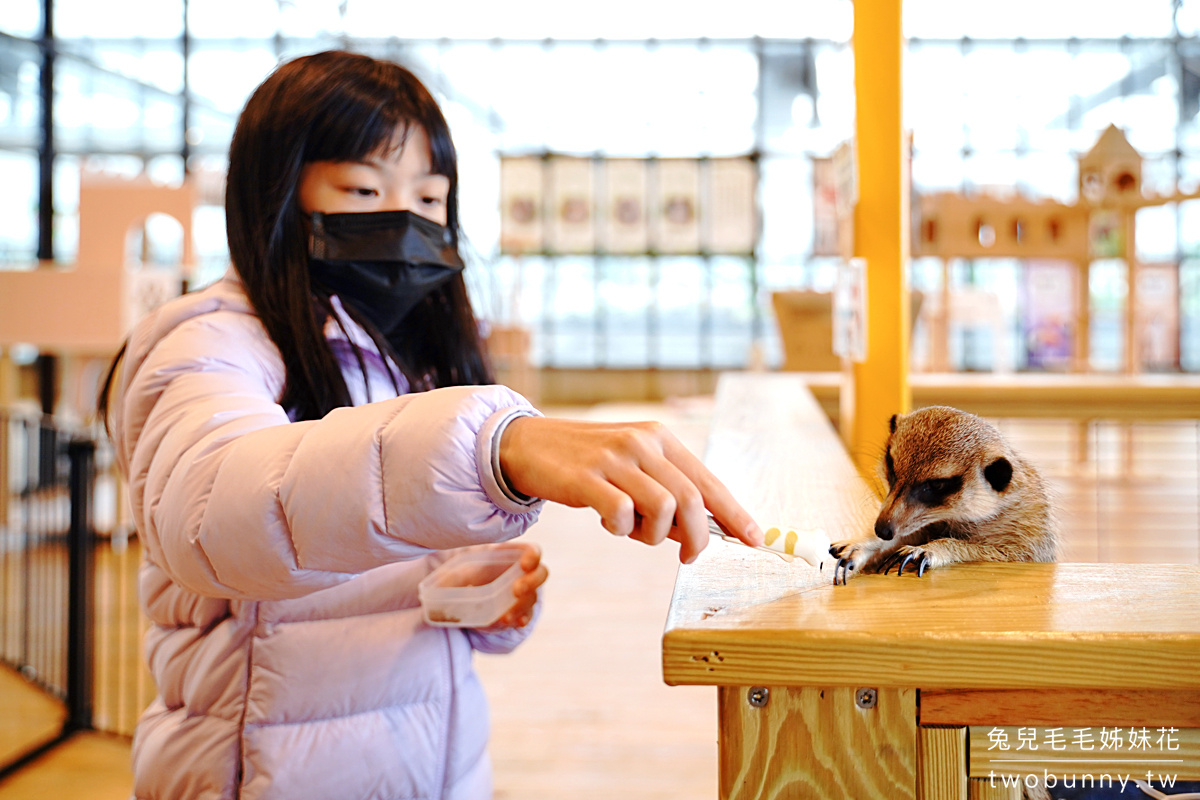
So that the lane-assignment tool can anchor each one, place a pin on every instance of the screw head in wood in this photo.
(758, 696)
(865, 698)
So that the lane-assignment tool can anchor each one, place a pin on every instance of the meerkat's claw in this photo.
(903, 557)
(841, 571)
(851, 555)
(890, 561)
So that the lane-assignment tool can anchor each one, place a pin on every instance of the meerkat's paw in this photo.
(853, 555)
(921, 559)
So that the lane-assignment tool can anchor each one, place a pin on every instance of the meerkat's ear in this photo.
(892, 422)
(998, 473)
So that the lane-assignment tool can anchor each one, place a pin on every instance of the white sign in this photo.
(850, 311)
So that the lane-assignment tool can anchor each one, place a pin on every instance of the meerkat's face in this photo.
(942, 465)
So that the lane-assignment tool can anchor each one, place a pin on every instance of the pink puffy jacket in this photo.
(281, 569)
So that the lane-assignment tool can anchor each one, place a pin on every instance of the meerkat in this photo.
(957, 491)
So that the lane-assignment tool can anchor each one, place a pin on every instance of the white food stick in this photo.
(812, 545)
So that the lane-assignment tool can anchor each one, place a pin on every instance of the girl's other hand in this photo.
(643, 482)
(526, 587)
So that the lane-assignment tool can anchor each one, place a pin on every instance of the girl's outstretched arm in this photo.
(641, 479)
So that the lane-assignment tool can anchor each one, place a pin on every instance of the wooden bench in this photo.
(897, 688)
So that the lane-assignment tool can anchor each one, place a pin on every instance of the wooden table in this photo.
(910, 687)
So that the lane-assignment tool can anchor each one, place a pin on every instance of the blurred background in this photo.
(553, 107)
(997, 98)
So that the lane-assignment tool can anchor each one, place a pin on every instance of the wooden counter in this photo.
(1047, 395)
(823, 690)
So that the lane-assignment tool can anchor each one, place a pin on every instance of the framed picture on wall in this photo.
(521, 205)
(1156, 317)
(729, 218)
(1049, 312)
(625, 226)
(675, 217)
(572, 205)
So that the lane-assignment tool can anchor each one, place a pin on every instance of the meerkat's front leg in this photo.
(855, 555)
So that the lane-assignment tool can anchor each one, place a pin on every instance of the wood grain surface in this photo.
(997, 626)
(739, 617)
(795, 747)
(1180, 708)
(941, 763)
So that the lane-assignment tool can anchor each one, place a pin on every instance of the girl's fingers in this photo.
(529, 583)
(525, 587)
(525, 590)
(531, 557)
(717, 498)
(672, 468)
(662, 491)
(655, 507)
(682, 516)
(643, 482)
(616, 508)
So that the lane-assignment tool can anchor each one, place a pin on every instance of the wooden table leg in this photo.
(942, 763)
(796, 743)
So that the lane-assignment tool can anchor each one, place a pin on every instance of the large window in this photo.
(999, 97)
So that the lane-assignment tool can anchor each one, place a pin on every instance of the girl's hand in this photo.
(526, 587)
(643, 482)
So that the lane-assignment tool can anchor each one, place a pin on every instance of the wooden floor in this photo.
(580, 710)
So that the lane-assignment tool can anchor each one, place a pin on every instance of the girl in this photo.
(309, 437)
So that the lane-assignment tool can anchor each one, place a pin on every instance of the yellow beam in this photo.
(881, 225)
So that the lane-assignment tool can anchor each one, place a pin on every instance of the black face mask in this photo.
(381, 262)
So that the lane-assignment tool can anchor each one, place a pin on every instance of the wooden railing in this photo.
(944, 686)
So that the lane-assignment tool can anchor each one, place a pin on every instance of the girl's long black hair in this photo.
(334, 106)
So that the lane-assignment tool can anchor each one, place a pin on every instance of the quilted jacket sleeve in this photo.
(236, 501)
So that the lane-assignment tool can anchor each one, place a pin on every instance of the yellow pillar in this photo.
(881, 227)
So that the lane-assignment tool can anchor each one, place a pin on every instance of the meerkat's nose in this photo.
(883, 529)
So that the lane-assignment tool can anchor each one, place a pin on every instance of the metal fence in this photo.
(69, 627)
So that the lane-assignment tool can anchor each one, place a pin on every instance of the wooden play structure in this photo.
(89, 306)
(1060, 237)
(955, 225)
(83, 311)
(1100, 224)
(902, 688)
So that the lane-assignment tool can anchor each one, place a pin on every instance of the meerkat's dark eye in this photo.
(891, 469)
(936, 491)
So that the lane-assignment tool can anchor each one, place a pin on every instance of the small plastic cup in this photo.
(472, 589)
